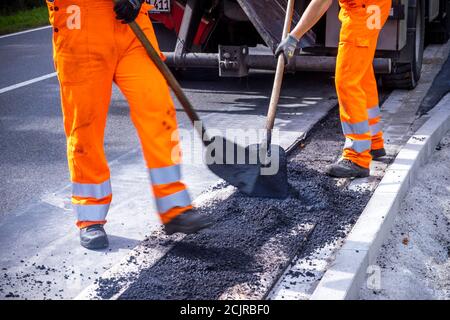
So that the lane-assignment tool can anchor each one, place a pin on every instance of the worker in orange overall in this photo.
(94, 47)
(355, 80)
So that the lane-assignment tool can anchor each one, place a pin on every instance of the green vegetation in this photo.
(11, 6)
(25, 19)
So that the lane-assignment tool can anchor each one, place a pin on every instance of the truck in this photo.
(236, 36)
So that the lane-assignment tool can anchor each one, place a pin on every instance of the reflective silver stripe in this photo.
(88, 190)
(358, 145)
(374, 112)
(376, 128)
(355, 128)
(96, 212)
(179, 199)
(165, 175)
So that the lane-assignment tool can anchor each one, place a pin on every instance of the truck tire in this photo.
(405, 75)
(438, 31)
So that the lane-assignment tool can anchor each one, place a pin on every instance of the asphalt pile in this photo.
(254, 239)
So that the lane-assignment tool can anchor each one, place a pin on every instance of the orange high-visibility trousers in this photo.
(91, 51)
(356, 85)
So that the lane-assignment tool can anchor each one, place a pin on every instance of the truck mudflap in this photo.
(268, 19)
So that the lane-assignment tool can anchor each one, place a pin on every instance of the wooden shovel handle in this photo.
(280, 70)
(171, 81)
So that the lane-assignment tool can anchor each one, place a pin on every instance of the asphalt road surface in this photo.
(39, 252)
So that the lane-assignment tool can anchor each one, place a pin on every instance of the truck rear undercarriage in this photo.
(235, 36)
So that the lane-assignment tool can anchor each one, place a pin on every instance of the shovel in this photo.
(239, 166)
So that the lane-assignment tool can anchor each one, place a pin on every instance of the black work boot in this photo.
(346, 169)
(94, 237)
(378, 153)
(188, 222)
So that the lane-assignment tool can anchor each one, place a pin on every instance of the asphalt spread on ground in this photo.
(254, 239)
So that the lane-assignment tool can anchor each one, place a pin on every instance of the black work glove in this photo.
(127, 10)
(287, 47)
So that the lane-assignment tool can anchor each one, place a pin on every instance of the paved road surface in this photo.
(36, 223)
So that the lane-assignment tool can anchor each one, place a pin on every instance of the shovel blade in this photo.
(242, 168)
(272, 182)
(230, 162)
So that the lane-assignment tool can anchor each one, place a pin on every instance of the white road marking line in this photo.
(25, 83)
(22, 32)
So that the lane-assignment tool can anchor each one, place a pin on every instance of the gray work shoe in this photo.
(378, 153)
(346, 169)
(94, 237)
(188, 222)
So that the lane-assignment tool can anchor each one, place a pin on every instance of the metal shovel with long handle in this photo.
(225, 159)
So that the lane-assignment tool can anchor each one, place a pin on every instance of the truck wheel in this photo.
(405, 75)
(438, 31)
